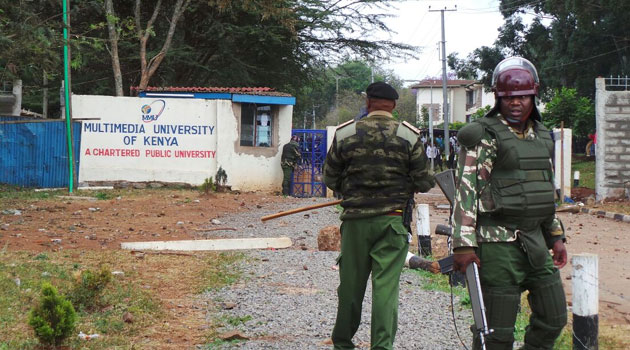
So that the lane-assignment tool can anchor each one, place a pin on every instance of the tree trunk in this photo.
(113, 40)
(149, 68)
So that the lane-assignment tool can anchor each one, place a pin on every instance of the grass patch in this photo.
(21, 275)
(586, 168)
(10, 193)
(219, 271)
(439, 282)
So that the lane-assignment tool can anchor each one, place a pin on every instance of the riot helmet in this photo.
(515, 76)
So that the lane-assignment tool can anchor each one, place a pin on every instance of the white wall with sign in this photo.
(146, 139)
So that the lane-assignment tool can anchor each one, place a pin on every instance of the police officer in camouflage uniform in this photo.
(377, 164)
(504, 213)
(290, 157)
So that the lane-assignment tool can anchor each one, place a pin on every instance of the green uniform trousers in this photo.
(378, 245)
(505, 273)
(287, 172)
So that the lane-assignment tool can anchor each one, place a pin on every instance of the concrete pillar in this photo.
(562, 161)
(601, 97)
(423, 229)
(17, 92)
(585, 282)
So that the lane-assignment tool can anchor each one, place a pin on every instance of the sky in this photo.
(472, 25)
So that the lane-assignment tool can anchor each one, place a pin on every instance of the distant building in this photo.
(11, 98)
(465, 97)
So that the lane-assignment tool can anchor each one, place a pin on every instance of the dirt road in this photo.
(85, 223)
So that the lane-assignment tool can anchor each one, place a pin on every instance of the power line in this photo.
(586, 59)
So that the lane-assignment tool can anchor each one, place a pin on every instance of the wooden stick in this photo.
(298, 210)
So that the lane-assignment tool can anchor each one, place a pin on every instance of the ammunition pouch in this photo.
(535, 247)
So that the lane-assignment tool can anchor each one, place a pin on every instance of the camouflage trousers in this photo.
(377, 245)
(505, 273)
(287, 175)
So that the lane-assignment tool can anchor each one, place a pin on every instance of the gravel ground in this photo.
(287, 298)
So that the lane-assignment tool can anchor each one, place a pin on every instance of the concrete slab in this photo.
(212, 244)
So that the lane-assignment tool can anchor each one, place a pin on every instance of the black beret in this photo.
(381, 90)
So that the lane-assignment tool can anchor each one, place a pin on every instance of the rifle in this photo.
(446, 181)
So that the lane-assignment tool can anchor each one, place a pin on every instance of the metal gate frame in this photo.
(307, 178)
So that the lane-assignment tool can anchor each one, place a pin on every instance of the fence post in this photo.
(423, 229)
(585, 301)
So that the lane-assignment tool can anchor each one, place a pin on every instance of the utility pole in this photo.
(431, 121)
(444, 90)
(337, 97)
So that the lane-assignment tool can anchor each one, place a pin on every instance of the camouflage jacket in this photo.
(377, 164)
(474, 171)
(290, 155)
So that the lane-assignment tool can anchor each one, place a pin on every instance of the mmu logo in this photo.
(153, 111)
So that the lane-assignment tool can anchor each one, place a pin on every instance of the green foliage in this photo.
(53, 319)
(577, 113)
(208, 185)
(480, 112)
(102, 196)
(88, 290)
(424, 117)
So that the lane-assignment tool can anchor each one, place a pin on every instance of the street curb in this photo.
(609, 215)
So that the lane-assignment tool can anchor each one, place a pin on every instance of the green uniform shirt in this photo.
(377, 164)
(471, 198)
(290, 155)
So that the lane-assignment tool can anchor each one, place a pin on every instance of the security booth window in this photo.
(256, 122)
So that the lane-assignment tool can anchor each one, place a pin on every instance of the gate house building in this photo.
(183, 135)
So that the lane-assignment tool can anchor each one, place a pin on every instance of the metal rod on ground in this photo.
(423, 229)
(585, 283)
(298, 210)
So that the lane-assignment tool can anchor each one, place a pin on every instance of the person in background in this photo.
(504, 212)
(377, 164)
(289, 160)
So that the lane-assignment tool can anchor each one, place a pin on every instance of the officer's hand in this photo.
(461, 261)
(559, 254)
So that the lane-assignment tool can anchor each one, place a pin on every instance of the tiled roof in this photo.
(438, 83)
(265, 91)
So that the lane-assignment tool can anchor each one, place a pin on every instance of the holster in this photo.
(534, 245)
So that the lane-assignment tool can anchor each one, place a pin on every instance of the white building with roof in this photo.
(465, 97)
(184, 135)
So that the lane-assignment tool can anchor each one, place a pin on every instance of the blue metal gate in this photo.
(307, 178)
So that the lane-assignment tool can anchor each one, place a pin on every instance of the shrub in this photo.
(87, 292)
(54, 318)
(207, 186)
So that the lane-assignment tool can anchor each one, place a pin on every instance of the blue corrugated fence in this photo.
(34, 153)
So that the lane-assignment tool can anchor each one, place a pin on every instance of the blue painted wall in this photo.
(34, 154)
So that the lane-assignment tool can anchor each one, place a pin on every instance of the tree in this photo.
(570, 42)
(148, 68)
(577, 113)
(406, 106)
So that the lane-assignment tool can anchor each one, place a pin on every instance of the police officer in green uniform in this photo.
(504, 212)
(376, 164)
(288, 161)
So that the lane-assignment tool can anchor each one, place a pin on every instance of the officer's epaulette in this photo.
(344, 124)
(413, 128)
(346, 129)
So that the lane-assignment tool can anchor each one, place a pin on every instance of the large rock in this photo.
(329, 239)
